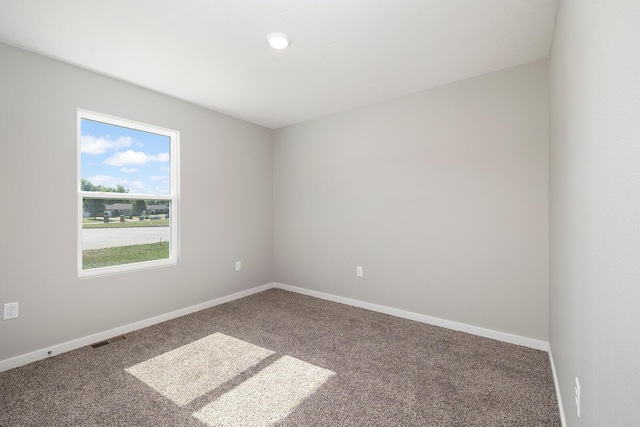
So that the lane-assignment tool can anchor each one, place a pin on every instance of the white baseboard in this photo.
(557, 386)
(462, 327)
(88, 340)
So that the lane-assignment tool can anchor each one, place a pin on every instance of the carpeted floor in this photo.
(283, 359)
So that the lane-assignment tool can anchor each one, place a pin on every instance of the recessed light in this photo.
(278, 40)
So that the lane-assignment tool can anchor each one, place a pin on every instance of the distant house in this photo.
(117, 209)
(157, 209)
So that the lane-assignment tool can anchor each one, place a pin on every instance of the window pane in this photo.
(123, 160)
(116, 232)
(127, 195)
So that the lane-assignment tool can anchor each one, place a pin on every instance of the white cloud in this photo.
(161, 157)
(107, 181)
(128, 170)
(130, 157)
(165, 168)
(89, 144)
(159, 178)
(137, 187)
(161, 191)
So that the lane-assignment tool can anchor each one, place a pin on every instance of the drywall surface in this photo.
(441, 197)
(595, 209)
(225, 211)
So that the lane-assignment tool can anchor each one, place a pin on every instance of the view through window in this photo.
(127, 195)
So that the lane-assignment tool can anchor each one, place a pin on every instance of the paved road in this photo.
(111, 237)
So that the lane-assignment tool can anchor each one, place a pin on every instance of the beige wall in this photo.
(225, 206)
(595, 209)
(442, 197)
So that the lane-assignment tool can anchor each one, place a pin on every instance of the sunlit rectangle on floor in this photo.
(197, 368)
(268, 397)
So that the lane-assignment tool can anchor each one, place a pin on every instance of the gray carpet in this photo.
(284, 359)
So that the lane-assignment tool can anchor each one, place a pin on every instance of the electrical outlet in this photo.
(359, 271)
(576, 389)
(238, 266)
(10, 311)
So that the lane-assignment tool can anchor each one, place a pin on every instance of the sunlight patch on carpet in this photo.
(197, 368)
(268, 397)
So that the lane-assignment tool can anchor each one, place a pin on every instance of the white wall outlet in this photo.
(238, 265)
(577, 397)
(10, 311)
(359, 271)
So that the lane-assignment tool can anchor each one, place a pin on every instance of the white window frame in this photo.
(172, 197)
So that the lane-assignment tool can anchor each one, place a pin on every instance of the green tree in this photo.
(86, 185)
(95, 207)
(138, 207)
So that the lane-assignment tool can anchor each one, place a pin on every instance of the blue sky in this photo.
(112, 155)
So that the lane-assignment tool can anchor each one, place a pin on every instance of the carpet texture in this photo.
(282, 359)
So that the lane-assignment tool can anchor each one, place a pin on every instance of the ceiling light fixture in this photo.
(278, 40)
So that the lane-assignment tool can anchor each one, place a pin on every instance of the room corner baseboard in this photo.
(556, 383)
(34, 356)
(81, 342)
(462, 327)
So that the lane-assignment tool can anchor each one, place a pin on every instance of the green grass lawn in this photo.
(107, 257)
(93, 223)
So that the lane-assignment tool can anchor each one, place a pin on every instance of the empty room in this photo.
(301, 213)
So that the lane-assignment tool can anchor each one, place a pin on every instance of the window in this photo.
(127, 195)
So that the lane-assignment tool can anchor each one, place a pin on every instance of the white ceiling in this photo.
(344, 53)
